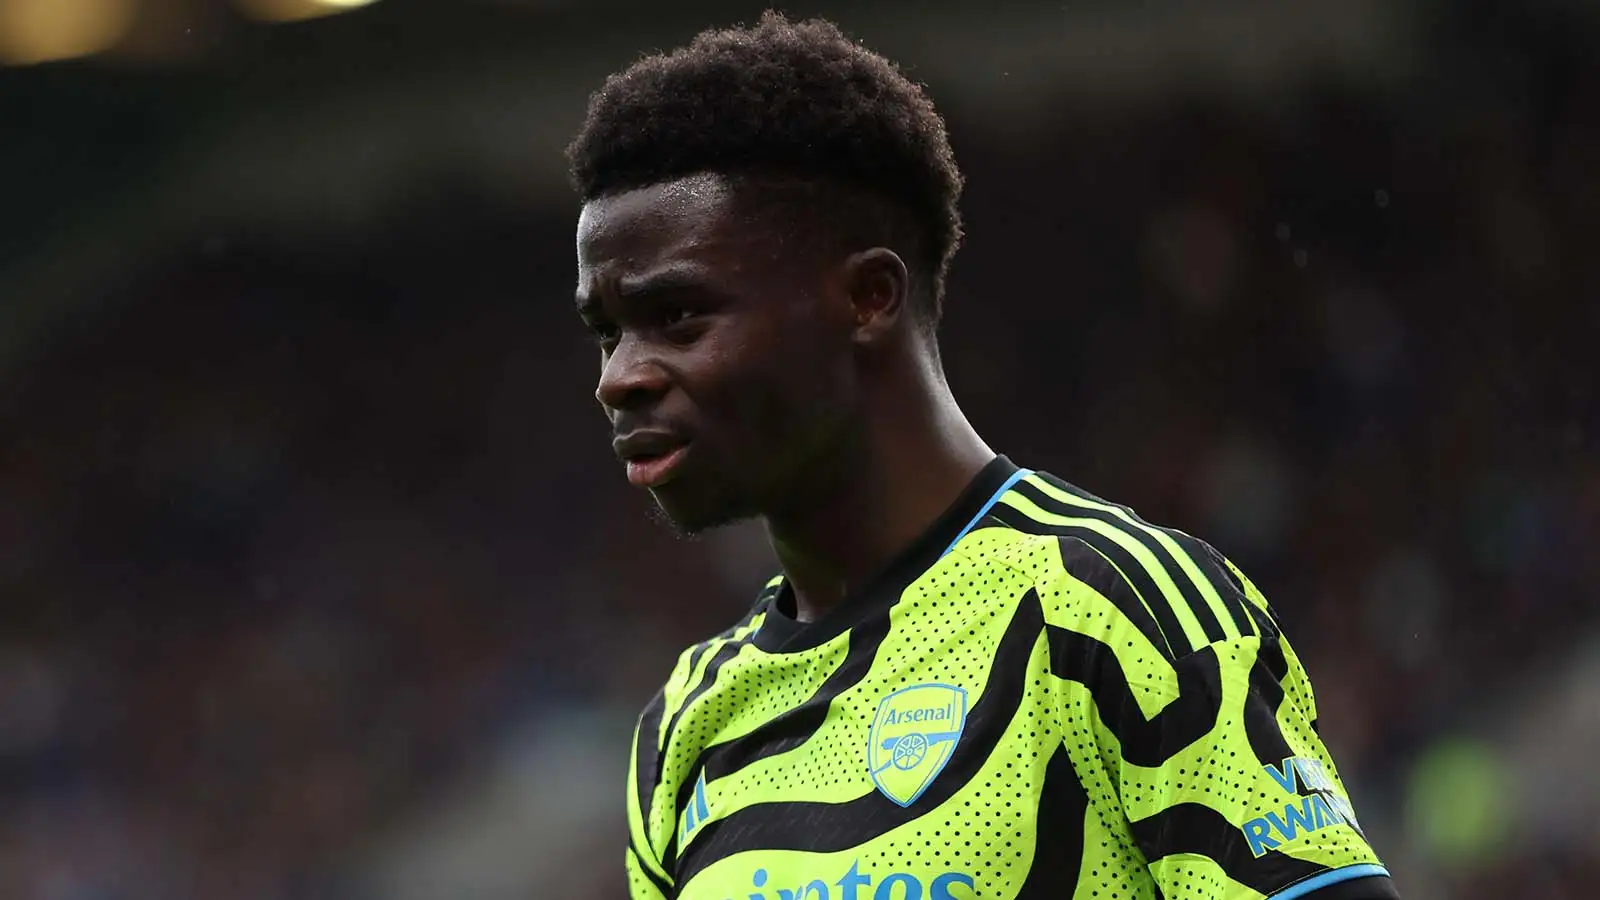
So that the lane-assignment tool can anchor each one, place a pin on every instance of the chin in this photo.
(688, 516)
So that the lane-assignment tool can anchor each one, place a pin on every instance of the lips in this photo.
(652, 457)
(655, 471)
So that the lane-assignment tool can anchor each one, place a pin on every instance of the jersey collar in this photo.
(781, 633)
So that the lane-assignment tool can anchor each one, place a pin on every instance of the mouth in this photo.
(651, 457)
(655, 470)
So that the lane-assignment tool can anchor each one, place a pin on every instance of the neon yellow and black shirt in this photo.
(1044, 697)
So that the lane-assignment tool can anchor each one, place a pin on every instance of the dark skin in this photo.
(798, 380)
(806, 393)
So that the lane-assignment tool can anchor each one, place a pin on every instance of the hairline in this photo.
(744, 187)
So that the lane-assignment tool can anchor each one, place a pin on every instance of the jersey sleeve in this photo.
(651, 805)
(647, 878)
(1206, 757)
(642, 884)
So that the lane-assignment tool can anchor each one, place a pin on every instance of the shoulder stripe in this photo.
(710, 664)
(1219, 575)
(836, 827)
(1199, 560)
(1265, 617)
(1213, 580)
(1090, 566)
(644, 771)
(1191, 589)
(1183, 582)
(714, 663)
(1181, 631)
(678, 688)
(705, 660)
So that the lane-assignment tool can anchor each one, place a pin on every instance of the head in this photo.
(768, 217)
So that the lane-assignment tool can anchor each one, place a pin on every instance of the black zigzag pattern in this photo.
(1261, 708)
(794, 727)
(1058, 847)
(1198, 829)
(1145, 742)
(822, 827)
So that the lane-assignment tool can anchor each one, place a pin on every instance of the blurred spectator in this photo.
(295, 526)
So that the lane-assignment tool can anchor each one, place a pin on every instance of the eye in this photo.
(605, 334)
(682, 325)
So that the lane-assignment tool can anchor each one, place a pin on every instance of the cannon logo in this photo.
(913, 737)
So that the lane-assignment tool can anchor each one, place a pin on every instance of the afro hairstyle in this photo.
(787, 104)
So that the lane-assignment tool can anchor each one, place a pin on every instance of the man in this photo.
(970, 680)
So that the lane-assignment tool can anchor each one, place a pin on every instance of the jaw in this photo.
(694, 504)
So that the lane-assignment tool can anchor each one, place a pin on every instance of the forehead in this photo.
(688, 221)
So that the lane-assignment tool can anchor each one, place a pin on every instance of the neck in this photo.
(915, 460)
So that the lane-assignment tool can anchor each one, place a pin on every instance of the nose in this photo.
(630, 377)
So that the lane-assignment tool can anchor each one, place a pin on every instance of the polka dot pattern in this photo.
(640, 886)
(977, 822)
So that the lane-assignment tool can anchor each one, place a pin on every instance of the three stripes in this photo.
(1186, 595)
(1184, 591)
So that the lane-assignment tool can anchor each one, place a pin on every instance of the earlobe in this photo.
(879, 285)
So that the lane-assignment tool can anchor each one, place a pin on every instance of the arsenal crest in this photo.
(913, 736)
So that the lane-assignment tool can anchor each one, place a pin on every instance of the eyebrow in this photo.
(658, 283)
(663, 281)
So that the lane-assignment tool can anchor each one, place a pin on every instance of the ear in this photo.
(879, 287)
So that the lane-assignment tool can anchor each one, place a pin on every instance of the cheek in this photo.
(755, 402)
(773, 383)
(789, 403)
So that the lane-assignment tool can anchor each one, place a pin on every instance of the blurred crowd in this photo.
(293, 527)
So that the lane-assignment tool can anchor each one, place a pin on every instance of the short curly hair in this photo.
(787, 102)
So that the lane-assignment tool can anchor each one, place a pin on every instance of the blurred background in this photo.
(318, 579)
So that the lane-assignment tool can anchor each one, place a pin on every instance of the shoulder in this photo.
(1100, 567)
(694, 660)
